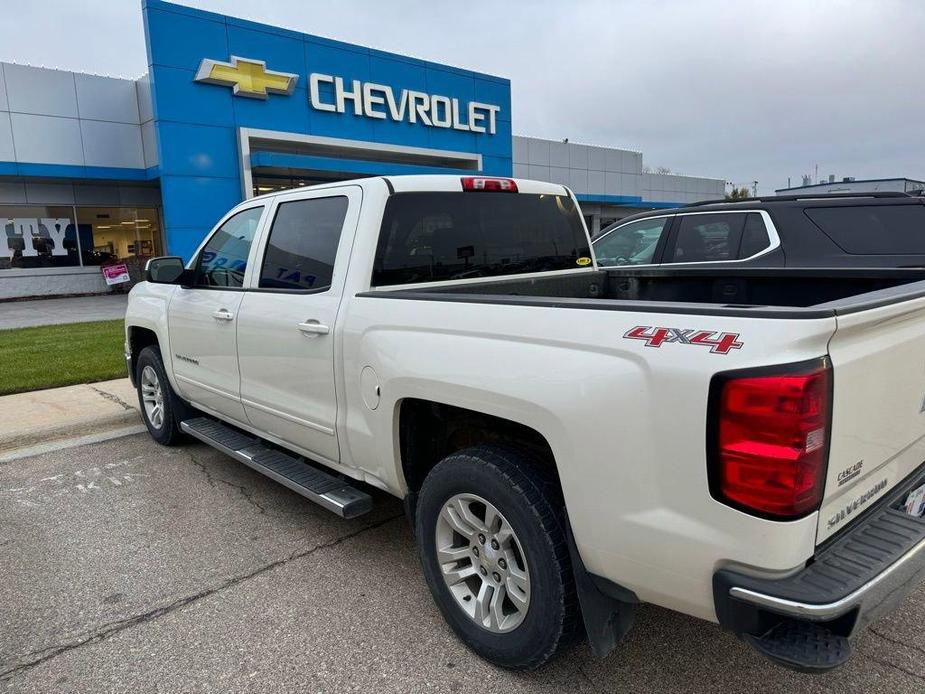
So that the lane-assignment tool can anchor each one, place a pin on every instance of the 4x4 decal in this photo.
(719, 343)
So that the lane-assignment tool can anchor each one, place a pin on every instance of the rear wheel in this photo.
(161, 409)
(494, 554)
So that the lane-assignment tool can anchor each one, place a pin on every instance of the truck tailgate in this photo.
(878, 411)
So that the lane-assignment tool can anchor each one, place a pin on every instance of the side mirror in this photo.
(166, 270)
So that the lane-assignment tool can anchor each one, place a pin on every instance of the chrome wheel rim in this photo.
(482, 563)
(152, 397)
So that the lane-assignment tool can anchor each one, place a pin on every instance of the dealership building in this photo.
(97, 170)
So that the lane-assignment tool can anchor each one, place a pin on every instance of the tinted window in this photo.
(707, 237)
(873, 229)
(303, 243)
(630, 244)
(754, 237)
(224, 258)
(445, 236)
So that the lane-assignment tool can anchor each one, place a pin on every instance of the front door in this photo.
(286, 338)
(202, 318)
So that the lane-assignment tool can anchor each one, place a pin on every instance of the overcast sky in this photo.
(736, 89)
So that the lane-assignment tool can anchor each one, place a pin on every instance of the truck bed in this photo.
(799, 293)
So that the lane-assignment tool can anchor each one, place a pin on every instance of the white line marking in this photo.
(43, 448)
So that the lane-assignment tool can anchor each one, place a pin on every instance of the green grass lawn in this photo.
(60, 355)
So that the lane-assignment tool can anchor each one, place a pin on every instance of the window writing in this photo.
(303, 243)
(223, 260)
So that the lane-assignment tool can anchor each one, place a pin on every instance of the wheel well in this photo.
(138, 339)
(430, 431)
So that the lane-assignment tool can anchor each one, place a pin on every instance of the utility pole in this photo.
(754, 189)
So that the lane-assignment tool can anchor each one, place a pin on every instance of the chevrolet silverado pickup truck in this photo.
(741, 445)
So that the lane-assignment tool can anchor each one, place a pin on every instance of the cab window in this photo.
(303, 244)
(630, 244)
(438, 236)
(223, 260)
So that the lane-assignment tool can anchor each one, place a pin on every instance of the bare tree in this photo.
(738, 194)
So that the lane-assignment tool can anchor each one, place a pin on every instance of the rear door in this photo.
(878, 411)
(286, 338)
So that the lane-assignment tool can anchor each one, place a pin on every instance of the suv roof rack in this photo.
(805, 196)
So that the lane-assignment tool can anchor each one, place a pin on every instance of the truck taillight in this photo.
(769, 439)
(480, 183)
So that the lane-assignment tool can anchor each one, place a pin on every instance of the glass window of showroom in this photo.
(36, 236)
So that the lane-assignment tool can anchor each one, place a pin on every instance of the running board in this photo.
(324, 489)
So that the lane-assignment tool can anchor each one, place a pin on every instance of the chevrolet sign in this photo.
(251, 78)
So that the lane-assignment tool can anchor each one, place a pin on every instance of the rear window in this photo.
(873, 229)
(428, 237)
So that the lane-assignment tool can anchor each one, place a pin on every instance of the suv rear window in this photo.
(873, 229)
(433, 236)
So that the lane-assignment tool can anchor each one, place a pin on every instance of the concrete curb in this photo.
(43, 416)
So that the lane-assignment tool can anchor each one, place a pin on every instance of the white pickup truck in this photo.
(741, 445)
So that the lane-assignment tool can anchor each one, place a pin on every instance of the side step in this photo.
(323, 488)
(803, 646)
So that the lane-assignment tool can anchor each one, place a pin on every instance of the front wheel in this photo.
(160, 406)
(494, 554)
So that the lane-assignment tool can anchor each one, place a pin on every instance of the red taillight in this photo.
(771, 441)
(497, 185)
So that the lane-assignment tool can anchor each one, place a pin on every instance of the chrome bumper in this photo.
(855, 578)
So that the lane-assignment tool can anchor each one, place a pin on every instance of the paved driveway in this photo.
(127, 567)
(78, 309)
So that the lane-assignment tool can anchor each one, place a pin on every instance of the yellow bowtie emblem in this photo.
(247, 77)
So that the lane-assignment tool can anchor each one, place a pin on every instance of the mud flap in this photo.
(606, 608)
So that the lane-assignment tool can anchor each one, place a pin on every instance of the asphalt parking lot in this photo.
(125, 566)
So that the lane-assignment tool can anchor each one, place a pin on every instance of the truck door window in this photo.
(630, 244)
(706, 237)
(303, 244)
(431, 236)
(754, 237)
(223, 260)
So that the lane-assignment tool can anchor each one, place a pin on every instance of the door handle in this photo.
(313, 327)
(223, 314)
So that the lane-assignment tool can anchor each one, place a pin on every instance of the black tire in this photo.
(512, 481)
(175, 410)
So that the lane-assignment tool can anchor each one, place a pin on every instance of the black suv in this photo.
(834, 230)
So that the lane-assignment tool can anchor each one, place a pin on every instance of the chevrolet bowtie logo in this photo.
(247, 77)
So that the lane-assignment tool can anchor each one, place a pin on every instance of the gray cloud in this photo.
(740, 90)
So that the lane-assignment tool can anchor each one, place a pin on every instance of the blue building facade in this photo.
(97, 170)
(214, 140)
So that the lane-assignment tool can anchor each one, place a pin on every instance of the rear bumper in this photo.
(858, 576)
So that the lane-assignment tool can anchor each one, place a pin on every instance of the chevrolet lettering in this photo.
(251, 78)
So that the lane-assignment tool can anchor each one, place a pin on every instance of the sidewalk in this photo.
(77, 309)
(41, 416)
